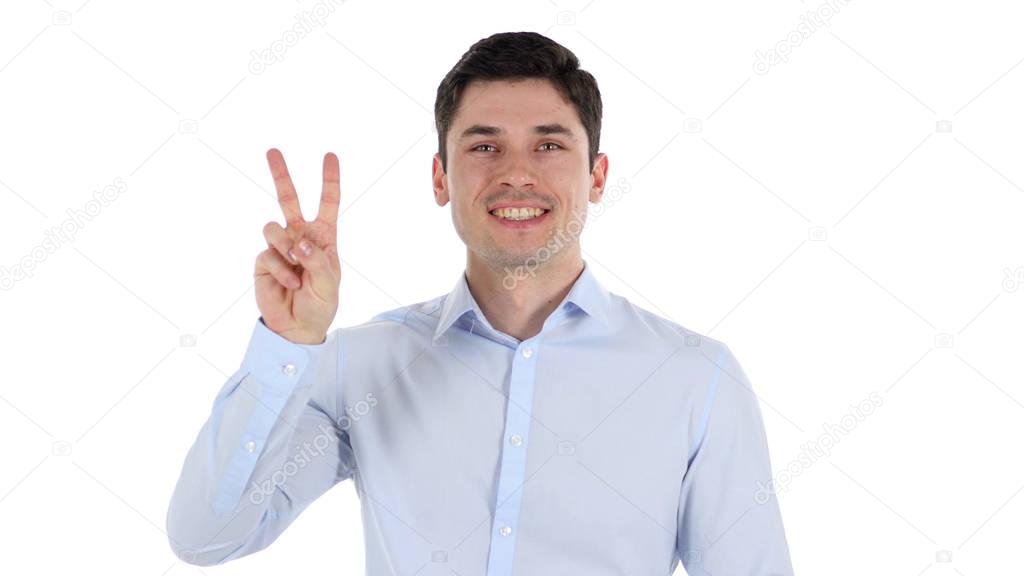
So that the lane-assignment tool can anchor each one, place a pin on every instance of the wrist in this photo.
(295, 336)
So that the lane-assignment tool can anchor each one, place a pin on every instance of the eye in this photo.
(481, 146)
(551, 144)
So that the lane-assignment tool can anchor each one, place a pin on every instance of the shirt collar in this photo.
(587, 294)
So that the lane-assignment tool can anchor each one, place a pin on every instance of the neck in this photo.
(518, 304)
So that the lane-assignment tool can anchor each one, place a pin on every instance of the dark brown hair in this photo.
(519, 55)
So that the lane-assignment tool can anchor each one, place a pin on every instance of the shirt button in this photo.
(289, 369)
(505, 530)
(527, 352)
(516, 440)
(250, 446)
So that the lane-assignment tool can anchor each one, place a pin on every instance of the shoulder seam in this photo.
(391, 315)
(706, 415)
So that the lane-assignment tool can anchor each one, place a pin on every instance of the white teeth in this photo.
(518, 213)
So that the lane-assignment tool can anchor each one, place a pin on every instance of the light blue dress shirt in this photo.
(613, 442)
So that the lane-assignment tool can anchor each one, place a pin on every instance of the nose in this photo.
(517, 171)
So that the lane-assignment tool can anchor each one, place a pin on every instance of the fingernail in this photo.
(305, 247)
(291, 255)
(294, 283)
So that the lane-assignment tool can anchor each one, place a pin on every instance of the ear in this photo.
(599, 175)
(440, 182)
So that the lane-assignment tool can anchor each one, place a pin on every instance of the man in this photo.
(527, 423)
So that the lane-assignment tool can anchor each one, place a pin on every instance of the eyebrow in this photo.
(543, 129)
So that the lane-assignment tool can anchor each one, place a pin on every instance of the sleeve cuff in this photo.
(277, 361)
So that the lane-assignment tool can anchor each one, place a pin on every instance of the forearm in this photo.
(229, 499)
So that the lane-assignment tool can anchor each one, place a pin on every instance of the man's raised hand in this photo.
(298, 275)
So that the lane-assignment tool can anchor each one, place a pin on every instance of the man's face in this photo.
(517, 144)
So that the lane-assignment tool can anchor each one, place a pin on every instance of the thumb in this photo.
(314, 260)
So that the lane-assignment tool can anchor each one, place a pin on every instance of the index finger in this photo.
(286, 196)
(331, 195)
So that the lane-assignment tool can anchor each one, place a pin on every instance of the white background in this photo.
(813, 215)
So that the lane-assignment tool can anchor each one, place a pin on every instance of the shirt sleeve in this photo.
(729, 519)
(271, 445)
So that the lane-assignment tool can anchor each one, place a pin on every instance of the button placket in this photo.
(512, 469)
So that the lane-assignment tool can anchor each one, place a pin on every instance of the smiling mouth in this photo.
(518, 214)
